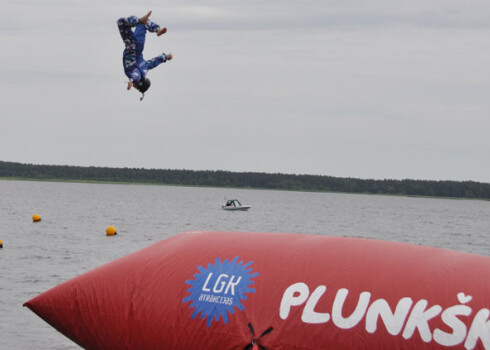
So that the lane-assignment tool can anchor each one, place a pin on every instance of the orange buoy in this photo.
(111, 231)
(36, 218)
(1, 243)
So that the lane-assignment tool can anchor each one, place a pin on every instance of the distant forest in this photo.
(218, 178)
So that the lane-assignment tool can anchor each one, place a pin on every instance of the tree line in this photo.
(220, 178)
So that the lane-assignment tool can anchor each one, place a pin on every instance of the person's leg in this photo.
(140, 36)
(155, 28)
(152, 26)
(125, 24)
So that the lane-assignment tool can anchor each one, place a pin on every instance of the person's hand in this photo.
(169, 56)
(130, 85)
(161, 31)
(144, 19)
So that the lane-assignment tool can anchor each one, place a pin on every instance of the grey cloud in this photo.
(310, 86)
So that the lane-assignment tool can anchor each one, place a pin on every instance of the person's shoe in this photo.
(161, 31)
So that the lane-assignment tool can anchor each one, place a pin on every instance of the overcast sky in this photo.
(351, 88)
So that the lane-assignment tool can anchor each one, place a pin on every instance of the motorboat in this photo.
(234, 204)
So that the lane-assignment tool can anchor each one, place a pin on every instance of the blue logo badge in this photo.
(219, 288)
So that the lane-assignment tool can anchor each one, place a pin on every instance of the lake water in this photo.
(71, 238)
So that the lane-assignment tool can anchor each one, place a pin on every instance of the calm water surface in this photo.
(71, 239)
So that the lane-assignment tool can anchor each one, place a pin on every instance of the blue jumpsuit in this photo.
(135, 66)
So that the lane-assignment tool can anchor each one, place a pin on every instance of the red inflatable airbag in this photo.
(223, 290)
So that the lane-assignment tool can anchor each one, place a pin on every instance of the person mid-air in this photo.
(135, 66)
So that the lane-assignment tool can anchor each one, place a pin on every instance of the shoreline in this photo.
(143, 183)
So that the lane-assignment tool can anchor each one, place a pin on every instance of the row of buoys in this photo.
(110, 231)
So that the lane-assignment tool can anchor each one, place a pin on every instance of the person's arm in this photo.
(156, 61)
(135, 77)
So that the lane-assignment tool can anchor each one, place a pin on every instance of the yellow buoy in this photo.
(36, 218)
(110, 231)
(1, 243)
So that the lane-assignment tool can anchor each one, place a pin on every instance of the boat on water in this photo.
(234, 204)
